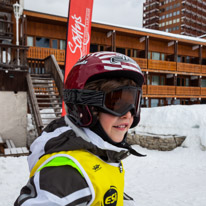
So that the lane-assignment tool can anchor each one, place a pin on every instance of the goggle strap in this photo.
(84, 97)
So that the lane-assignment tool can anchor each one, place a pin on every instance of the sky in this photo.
(117, 12)
(169, 178)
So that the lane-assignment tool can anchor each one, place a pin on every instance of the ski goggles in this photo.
(116, 102)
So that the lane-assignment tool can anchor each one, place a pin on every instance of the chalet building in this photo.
(187, 17)
(31, 72)
(174, 65)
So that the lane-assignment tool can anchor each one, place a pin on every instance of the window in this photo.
(203, 83)
(178, 20)
(170, 22)
(149, 55)
(187, 82)
(163, 17)
(170, 14)
(30, 41)
(62, 44)
(187, 59)
(154, 102)
(174, 13)
(134, 53)
(101, 48)
(178, 12)
(167, 15)
(54, 44)
(163, 24)
(129, 52)
(177, 101)
(93, 48)
(162, 82)
(155, 55)
(120, 50)
(163, 57)
(42, 42)
(174, 21)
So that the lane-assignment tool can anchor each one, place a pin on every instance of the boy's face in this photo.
(114, 126)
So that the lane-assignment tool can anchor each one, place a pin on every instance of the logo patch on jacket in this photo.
(96, 167)
(111, 197)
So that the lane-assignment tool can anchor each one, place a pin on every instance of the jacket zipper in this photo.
(120, 167)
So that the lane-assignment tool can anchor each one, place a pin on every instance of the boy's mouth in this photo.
(122, 126)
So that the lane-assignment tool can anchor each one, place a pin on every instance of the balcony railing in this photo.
(161, 65)
(203, 91)
(193, 68)
(204, 69)
(7, 5)
(42, 53)
(39, 53)
(160, 90)
(6, 29)
(174, 91)
(8, 55)
(188, 91)
(141, 62)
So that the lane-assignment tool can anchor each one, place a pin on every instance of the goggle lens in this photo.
(122, 100)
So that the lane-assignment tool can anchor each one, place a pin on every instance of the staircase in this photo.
(47, 96)
(45, 92)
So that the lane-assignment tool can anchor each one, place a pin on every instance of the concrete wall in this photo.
(13, 117)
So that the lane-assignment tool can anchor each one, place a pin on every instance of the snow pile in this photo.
(189, 121)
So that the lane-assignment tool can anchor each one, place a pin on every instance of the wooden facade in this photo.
(174, 65)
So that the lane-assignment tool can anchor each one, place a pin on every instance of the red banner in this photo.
(78, 33)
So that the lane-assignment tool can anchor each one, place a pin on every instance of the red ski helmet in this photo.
(99, 65)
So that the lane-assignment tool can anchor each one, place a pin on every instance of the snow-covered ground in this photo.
(174, 178)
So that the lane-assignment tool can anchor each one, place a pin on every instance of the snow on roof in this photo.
(152, 31)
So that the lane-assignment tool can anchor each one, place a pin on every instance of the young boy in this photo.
(77, 159)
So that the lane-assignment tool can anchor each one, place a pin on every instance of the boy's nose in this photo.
(127, 115)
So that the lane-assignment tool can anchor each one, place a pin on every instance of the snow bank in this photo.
(189, 121)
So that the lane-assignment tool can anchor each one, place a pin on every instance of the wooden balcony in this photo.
(8, 55)
(191, 68)
(173, 91)
(188, 91)
(42, 53)
(204, 69)
(7, 5)
(141, 62)
(161, 65)
(160, 90)
(203, 91)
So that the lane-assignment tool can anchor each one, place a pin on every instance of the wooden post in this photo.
(114, 41)
(176, 53)
(200, 54)
(147, 49)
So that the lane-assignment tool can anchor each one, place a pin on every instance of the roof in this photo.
(177, 37)
(160, 33)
